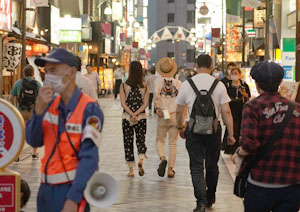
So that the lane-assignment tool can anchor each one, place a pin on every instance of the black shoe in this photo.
(199, 208)
(162, 168)
(210, 202)
(35, 156)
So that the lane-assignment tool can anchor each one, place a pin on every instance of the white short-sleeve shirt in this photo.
(202, 81)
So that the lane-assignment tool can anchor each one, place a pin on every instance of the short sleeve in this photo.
(14, 90)
(223, 95)
(181, 97)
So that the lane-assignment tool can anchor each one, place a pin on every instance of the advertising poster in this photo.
(289, 90)
(233, 43)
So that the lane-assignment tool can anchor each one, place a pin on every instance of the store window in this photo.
(171, 17)
(190, 56)
(190, 16)
(170, 55)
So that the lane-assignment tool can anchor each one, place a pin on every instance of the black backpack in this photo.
(28, 93)
(203, 118)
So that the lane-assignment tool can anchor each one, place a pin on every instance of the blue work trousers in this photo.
(51, 198)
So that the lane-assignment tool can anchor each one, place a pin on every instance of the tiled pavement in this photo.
(148, 193)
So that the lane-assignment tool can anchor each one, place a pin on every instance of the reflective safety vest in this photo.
(60, 161)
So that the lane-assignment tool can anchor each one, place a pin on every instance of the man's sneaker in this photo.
(35, 156)
(162, 168)
(199, 208)
(210, 202)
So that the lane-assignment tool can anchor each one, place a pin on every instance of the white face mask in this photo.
(56, 82)
(235, 77)
(217, 74)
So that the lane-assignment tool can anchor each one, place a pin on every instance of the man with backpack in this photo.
(206, 99)
(25, 91)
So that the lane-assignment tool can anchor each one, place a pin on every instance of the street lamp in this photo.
(108, 11)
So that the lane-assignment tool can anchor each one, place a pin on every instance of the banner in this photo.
(12, 56)
(5, 15)
(251, 3)
(179, 35)
(233, 11)
(156, 37)
(233, 43)
(216, 34)
(117, 10)
(106, 28)
(39, 3)
(167, 35)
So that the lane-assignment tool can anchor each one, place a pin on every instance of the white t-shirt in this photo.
(84, 84)
(202, 81)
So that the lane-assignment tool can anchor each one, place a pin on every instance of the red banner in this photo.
(7, 193)
(5, 15)
(106, 28)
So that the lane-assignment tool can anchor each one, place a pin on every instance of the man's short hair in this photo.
(88, 65)
(28, 71)
(204, 61)
(25, 190)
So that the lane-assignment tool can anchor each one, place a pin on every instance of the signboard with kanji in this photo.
(9, 192)
(12, 133)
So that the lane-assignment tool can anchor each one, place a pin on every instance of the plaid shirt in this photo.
(261, 117)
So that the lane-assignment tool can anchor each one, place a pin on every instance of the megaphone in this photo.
(102, 190)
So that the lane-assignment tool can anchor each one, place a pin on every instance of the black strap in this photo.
(267, 148)
(212, 88)
(194, 87)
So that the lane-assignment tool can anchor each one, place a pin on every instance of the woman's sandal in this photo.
(130, 174)
(171, 175)
(141, 170)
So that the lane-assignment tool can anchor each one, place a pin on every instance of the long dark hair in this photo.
(135, 78)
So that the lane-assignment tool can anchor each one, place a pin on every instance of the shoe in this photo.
(35, 156)
(141, 170)
(199, 208)
(171, 175)
(210, 202)
(162, 168)
(17, 160)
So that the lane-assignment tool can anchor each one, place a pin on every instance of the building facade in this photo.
(172, 13)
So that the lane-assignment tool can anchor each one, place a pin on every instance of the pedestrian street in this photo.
(148, 193)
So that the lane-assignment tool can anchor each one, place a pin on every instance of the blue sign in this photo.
(288, 72)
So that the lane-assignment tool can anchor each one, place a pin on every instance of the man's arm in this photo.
(180, 117)
(227, 117)
(88, 154)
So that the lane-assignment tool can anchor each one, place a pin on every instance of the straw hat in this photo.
(166, 67)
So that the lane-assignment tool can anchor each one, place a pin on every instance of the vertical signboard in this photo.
(117, 10)
(55, 16)
(5, 15)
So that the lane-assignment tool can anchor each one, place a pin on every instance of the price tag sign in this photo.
(12, 133)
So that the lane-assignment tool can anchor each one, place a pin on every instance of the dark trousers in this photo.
(118, 83)
(259, 199)
(150, 101)
(204, 149)
(51, 198)
(128, 138)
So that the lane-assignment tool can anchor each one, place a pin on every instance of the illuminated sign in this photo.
(68, 23)
(5, 15)
(54, 25)
(69, 36)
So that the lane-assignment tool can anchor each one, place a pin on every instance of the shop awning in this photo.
(258, 43)
(29, 35)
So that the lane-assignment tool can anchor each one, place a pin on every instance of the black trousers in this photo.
(118, 83)
(128, 136)
(150, 101)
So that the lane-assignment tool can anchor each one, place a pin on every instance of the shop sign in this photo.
(5, 15)
(39, 3)
(289, 44)
(69, 36)
(12, 56)
(233, 43)
(7, 193)
(259, 17)
(55, 15)
(117, 10)
(288, 73)
(67, 23)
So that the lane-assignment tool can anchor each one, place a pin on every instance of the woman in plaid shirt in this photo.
(274, 182)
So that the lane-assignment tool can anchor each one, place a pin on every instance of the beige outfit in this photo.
(94, 77)
(84, 84)
(167, 90)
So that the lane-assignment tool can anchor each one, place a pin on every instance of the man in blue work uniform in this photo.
(68, 126)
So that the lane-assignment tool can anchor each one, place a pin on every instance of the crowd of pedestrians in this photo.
(67, 121)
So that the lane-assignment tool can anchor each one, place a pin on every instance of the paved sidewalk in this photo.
(148, 193)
